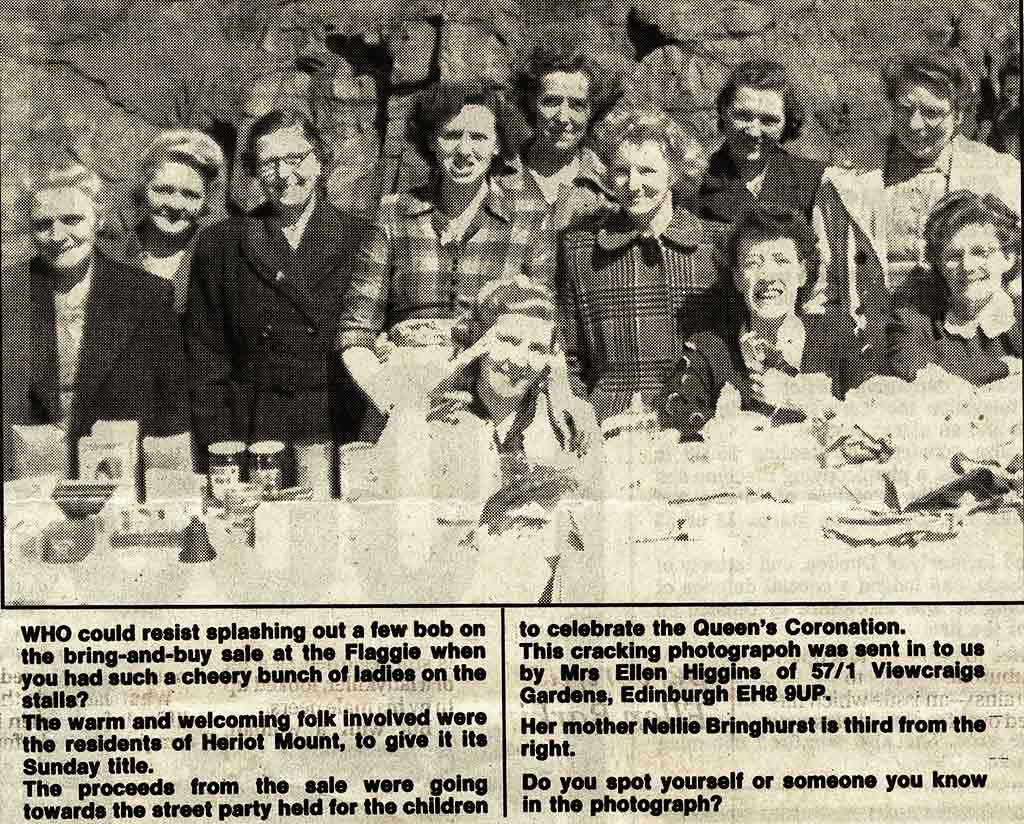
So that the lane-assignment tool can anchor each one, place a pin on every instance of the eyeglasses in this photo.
(291, 162)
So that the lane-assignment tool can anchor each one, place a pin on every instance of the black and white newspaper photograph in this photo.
(511, 410)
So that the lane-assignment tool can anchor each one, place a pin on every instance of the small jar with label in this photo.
(266, 465)
(226, 467)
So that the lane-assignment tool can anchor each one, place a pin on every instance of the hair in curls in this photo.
(759, 224)
(764, 76)
(942, 70)
(192, 148)
(558, 55)
(631, 124)
(436, 106)
(275, 121)
(927, 289)
(74, 176)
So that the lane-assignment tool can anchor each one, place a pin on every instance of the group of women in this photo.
(578, 273)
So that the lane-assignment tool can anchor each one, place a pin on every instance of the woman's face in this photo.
(924, 120)
(641, 178)
(768, 273)
(562, 110)
(519, 353)
(975, 264)
(287, 167)
(466, 145)
(64, 227)
(175, 198)
(753, 123)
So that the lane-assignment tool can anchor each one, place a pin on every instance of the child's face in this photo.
(974, 264)
(768, 273)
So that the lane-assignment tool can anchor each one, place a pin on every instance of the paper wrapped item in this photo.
(39, 450)
(314, 467)
(111, 453)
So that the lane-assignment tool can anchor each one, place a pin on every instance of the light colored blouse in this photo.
(69, 309)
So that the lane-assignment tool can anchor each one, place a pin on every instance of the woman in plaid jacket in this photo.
(432, 249)
(635, 284)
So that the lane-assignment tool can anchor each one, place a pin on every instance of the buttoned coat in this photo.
(854, 291)
(260, 324)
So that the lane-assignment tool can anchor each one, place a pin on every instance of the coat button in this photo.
(311, 331)
(860, 258)
(266, 332)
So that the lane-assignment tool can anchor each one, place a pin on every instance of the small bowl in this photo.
(79, 499)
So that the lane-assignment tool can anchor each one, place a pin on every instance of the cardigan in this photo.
(916, 340)
(714, 358)
(790, 184)
(625, 313)
(854, 289)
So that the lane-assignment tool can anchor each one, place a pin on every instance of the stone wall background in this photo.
(95, 80)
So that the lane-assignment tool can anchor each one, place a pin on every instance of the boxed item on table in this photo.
(111, 453)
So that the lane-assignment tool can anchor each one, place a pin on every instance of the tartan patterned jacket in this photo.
(628, 312)
(402, 271)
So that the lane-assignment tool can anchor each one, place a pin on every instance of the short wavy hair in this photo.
(277, 120)
(639, 124)
(192, 148)
(72, 176)
(558, 54)
(436, 106)
(943, 70)
(761, 223)
(765, 76)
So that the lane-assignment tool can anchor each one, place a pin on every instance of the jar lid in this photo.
(267, 448)
(226, 448)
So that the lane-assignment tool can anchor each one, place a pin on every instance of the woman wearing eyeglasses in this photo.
(264, 301)
(872, 223)
(965, 316)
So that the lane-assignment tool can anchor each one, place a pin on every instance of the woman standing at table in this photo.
(432, 249)
(264, 302)
(559, 175)
(764, 343)
(757, 114)
(871, 223)
(181, 191)
(102, 340)
(967, 314)
(631, 281)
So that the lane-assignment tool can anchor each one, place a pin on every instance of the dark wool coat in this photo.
(790, 184)
(131, 365)
(260, 323)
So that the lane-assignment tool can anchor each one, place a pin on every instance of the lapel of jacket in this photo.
(862, 195)
(264, 246)
(43, 336)
(112, 314)
(322, 243)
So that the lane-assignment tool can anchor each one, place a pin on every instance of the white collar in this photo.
(790, 342)
(551, 185)
(610, 241)
(456, 227)
(294, 233)
(996, 318)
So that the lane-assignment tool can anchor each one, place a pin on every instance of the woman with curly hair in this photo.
(181, 191)
(871, 222)
(764, 342)
(432, 249)
(757, 115)
(562, 94)
(102, 342)
(966, 314)
(628, 280)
